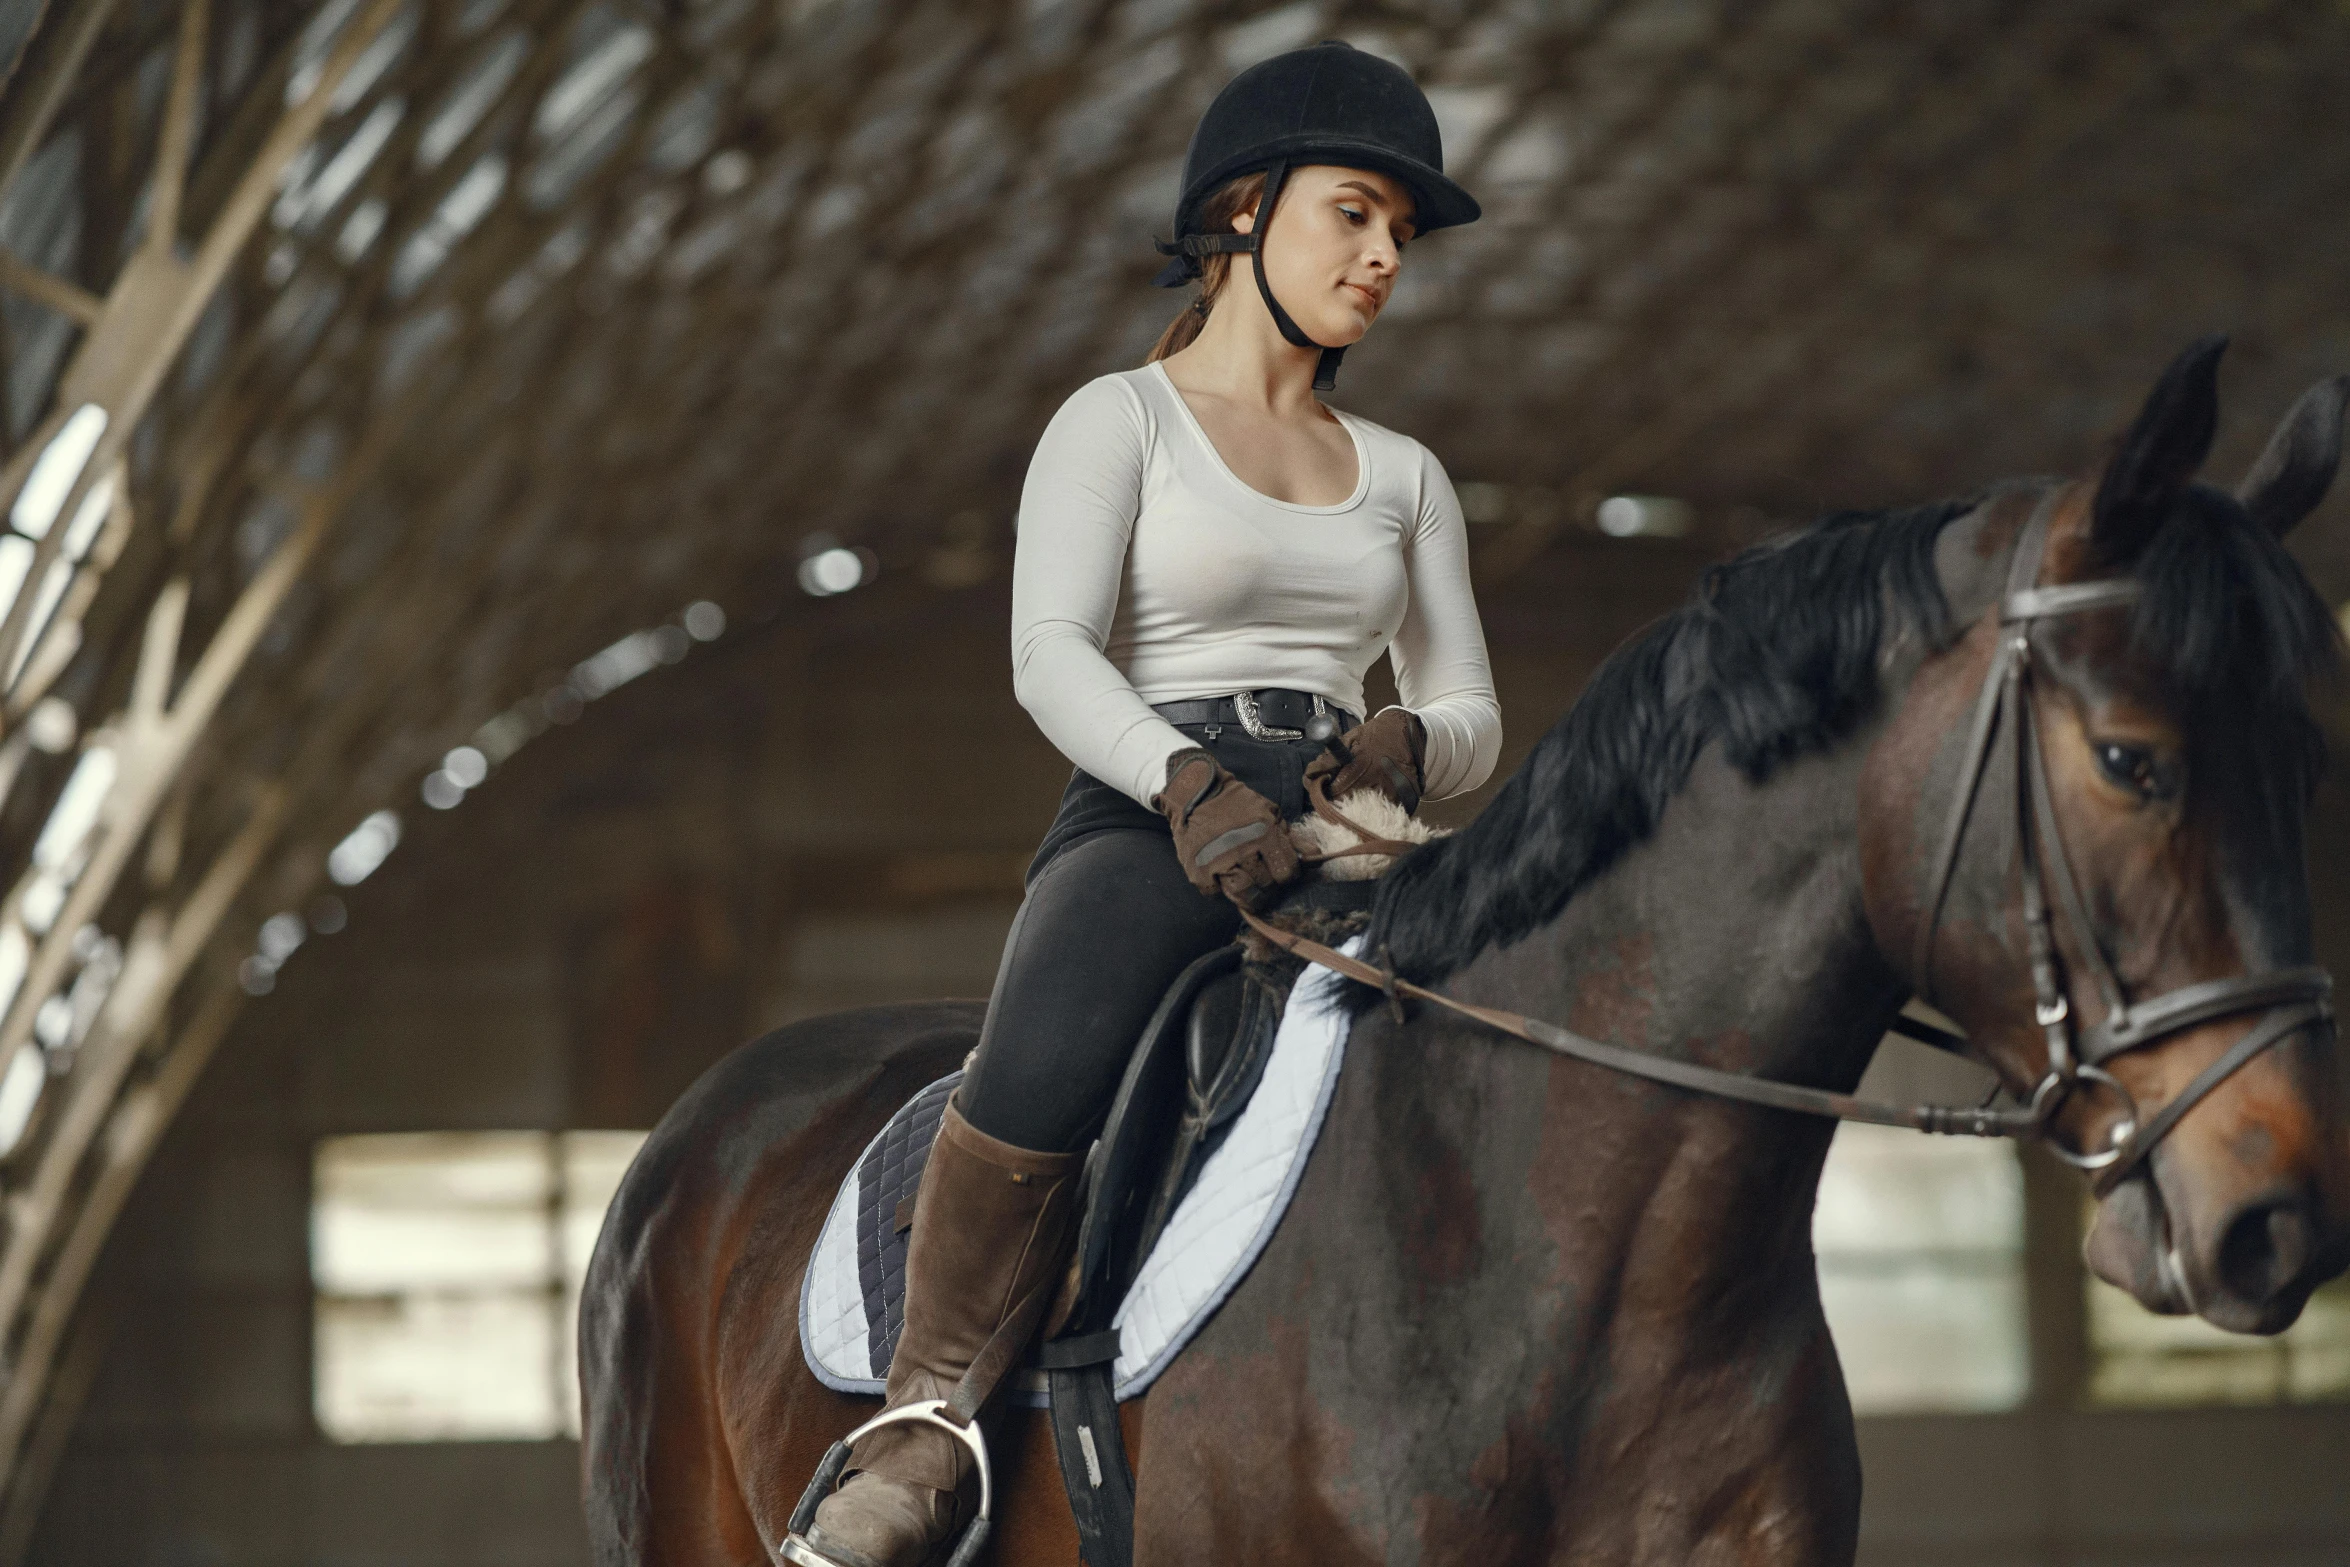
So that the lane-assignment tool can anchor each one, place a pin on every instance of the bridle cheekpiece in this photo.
(2293, 999)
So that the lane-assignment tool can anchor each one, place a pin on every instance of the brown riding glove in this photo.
(1385, 753)
(1229, 837)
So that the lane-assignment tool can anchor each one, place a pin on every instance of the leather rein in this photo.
(2291, 999)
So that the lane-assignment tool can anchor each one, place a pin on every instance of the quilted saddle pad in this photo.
(852, 1297)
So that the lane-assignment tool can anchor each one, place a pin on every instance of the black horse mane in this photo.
(1775, 656)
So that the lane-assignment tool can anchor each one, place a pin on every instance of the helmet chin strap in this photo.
(1326, 369)
(1195, 246)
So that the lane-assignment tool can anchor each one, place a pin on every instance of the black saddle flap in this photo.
(1228, 1039)
(1199, 1059)
(1219, 1072)
(1135, 1142)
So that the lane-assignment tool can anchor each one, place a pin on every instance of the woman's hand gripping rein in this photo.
(1229, 837)
(1386, 753)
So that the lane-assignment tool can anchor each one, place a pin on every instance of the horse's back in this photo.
(688, 1333)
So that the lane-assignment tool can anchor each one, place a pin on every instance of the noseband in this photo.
(2293, 999)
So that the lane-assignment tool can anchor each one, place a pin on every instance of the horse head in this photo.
(2119, 915)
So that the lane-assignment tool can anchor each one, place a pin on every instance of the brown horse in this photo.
(1525, 1310)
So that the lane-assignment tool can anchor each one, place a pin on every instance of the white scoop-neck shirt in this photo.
(1146, 571)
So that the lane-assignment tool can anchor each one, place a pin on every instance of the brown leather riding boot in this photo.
(992, 1225)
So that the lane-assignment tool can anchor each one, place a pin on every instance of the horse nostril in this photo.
(2265, 1251)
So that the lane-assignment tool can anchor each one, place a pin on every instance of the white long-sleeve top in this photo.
(1146, 571)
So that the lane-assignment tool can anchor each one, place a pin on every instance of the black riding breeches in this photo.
(1108, 922)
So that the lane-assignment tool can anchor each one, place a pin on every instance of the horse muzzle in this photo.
(2250, 1268)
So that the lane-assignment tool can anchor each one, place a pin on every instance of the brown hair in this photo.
(1228, 201)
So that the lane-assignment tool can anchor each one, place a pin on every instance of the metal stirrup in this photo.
(929, 1411)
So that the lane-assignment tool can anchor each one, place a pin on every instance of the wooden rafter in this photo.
(59, 294)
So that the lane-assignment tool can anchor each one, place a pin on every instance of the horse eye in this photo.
(2130, 768)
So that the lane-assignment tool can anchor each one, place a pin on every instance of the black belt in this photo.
(1275, 713)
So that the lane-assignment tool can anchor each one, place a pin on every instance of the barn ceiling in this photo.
(369, 365)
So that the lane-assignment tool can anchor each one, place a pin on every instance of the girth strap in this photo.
(1096, 1472)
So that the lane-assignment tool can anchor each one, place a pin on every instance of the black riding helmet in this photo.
(1331, 103)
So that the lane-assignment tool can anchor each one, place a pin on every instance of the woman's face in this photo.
(1338, 238)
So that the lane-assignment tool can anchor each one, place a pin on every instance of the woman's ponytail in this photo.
(1230, 200)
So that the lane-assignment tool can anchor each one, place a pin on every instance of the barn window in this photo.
(447, 1268)
(1921, 1252)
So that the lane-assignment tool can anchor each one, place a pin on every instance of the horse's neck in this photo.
(1585, 1265)
(1569, 1287)
(1734, 935)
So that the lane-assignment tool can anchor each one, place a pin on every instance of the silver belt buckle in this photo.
(1252, 719)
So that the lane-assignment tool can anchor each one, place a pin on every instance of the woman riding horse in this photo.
(1208, 556)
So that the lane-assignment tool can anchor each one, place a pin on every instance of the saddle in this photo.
(1195, 1067)
(1189, 1085)
(1206, 1138)
(1203, 1053)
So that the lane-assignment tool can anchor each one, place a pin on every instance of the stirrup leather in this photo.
(929, 1411)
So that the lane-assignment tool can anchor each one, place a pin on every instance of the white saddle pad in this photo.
(1216, 1233)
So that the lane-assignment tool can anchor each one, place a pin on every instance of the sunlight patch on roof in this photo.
(476, 91)
(591, 81)
(55, 470)
(355, 859)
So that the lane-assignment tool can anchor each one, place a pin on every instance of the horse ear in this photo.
(2295, 472)
(2161, 452)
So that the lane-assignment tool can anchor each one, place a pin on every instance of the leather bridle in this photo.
(2292, 999)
